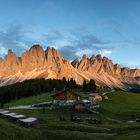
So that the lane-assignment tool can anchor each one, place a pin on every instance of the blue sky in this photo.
(74, 27)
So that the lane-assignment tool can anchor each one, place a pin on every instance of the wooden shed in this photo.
(66, 94)
(95, 97)
(79, 105)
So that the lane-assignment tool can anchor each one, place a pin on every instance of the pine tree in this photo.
(92, 85)
(84, 85)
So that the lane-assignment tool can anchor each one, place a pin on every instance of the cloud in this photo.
(105, 52)
(80, 52)
(13, 37)
(83, 41)
(18, 38)
(52, 36)
(67, 51)
(3, 51)
(83, 36)
(73, 44)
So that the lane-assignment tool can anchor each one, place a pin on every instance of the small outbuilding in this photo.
(79, 105)
(95, 97)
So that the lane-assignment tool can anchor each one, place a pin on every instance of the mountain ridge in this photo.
(39, 63)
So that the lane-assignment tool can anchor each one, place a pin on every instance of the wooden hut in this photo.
(66, 94)
(79, 105)
(95, 97)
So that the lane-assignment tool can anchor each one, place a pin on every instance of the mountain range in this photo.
(49, 63)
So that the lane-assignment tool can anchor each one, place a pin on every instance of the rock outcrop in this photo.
(84, 63)
(10, 64)
(117, 69)
(34, 58)
(75, 63)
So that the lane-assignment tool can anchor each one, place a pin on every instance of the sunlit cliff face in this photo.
(40, 63)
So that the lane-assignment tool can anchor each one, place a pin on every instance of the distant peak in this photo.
(116, 64)
(76, 59)
(99, 55)
(105, 57)
(48, 48)
(36, 46)
(84, 56)
(92, 56)
(10, 51)
(75, 62)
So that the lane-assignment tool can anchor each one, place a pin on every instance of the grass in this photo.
(114, 114)
(121, 105)
(31, 100)
(10, 131)
(121, 102)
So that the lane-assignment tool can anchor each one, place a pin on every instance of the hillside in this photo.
(114, 114)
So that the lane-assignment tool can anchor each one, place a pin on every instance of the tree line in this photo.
(38, 86)
(33, 87)
(89, 86)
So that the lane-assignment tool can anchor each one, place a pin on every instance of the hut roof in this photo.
(18, 116)
(29, 120)
(10, 114)
(92, 94)
(59, 92)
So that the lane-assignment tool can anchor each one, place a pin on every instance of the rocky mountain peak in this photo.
(36, 63)
(10, 51)
(128, 72)
(75, 63)
(83, 64)
(117, 69)
(35, 47)
(84, 56)
(107, 65)
(92, 57)
(52, 57)
(99, 58)
(10, 64)
(34, 58)
(10, 54)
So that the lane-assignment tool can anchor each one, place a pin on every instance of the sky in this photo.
(74, 27)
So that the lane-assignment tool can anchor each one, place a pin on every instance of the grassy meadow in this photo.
(114, 115)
